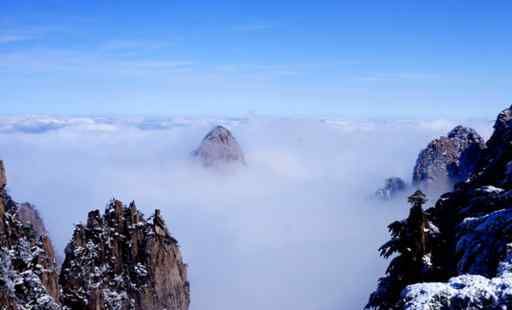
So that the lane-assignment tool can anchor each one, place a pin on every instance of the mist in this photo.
(294, 229)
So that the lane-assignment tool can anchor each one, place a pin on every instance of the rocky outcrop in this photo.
(120, 260)
(28, 271)
(219, 147)
(392, 188)
(448, 160)
(441, 165)
(470, 259)
(27, 213)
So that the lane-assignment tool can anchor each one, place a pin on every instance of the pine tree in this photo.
(408, 242)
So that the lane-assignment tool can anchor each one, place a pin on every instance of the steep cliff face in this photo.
(219, 147)
(442, 164)
(122, 261)
(448, 160)
(470, 259)
(27, 213)
(28, 272)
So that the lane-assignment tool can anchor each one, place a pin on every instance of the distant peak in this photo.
(219, 147)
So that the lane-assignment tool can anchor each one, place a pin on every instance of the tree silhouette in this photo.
(409, 242)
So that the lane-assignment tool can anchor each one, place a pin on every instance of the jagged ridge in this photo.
(122, 261)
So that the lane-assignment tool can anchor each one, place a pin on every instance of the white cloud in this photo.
(292, 230)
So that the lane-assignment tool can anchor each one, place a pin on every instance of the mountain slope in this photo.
(469, 257)
(28, 271)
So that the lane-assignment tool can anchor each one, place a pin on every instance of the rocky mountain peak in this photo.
(120, 260)
(448, 160)
(219, 147)
(464, 135)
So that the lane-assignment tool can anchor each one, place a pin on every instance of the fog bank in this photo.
(292, 230)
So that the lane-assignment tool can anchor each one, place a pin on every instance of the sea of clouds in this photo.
(295, 229)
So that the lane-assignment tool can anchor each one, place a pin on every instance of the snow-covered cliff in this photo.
(469, 257)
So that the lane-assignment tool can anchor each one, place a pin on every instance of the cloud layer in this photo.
(292, 230)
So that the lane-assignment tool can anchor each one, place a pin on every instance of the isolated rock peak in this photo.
(219, 147)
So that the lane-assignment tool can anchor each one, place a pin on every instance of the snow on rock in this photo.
(489, 190)
(484, 281)
(464, 292)
(471, 257)
(120, 260)
(28, 271)
(481, 240)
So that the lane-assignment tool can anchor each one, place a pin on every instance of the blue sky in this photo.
(364, 59)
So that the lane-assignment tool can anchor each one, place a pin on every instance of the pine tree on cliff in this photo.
(409, 244)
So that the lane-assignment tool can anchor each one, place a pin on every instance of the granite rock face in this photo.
(219, 147)
(28, 270)
(448, 160)
(441, 165)
(120, 260)
(470, 258)
(27, 213)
